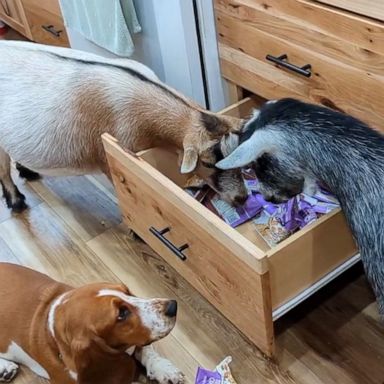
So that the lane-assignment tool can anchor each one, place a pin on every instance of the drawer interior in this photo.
(296, 263)
(165, 161)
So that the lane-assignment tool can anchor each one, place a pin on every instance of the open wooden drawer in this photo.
(235, 270)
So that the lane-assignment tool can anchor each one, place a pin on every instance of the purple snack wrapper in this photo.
(236, 216)
(252, 185)
(288, 215)
(205, 376)
(270, 208)
(285, 218)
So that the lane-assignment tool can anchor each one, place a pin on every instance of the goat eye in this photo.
(124, 312)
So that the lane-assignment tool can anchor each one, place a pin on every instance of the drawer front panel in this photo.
(47, 27)
(150, 203)
(369, 8)
(309, 255)
(320, 28)
(332, 83)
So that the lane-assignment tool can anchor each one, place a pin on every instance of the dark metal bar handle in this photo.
(51, 29)
(178, 251)
(281, 60)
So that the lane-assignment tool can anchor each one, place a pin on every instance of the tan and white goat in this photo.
(56, 102)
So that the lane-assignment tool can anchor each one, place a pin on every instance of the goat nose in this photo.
(171, 308)
(274, 200)
(240, 201)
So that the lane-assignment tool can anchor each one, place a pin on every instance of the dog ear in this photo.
(97, 363)
(190, 159)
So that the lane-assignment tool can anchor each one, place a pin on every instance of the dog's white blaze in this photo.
(16, 354)
(51, 314)
(73, 375)
(150, 318)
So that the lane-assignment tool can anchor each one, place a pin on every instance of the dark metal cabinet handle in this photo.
(281, 60)
(178, 251)
(51, 29)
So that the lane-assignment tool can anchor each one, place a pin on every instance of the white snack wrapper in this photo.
(225, 371)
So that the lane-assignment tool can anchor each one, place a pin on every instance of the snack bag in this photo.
(270, 228)
(198, 194)
(207, 377)
(225, 372)
(231, 215)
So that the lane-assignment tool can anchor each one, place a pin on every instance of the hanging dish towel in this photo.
(107, 23)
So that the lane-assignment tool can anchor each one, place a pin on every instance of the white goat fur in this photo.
(54, 108)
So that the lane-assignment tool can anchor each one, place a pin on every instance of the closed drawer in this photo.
(45, 22)
(370, 8)
(347, 69)
(234, 269)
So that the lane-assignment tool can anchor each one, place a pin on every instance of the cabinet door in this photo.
(12, 13)
(46, 22)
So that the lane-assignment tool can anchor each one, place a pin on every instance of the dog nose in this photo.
(171, 308)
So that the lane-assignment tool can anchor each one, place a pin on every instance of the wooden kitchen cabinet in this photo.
(249, 282)
(38, 20)
(319, 53)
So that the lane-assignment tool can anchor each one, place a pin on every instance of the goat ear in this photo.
(248, 151)
(190, 158)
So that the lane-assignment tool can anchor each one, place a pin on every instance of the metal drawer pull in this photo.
(178, 251)
(281, 60)
(51, 29)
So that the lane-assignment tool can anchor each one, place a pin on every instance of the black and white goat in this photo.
(291, 144)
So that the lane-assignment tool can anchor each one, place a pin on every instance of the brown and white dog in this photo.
(80, 335)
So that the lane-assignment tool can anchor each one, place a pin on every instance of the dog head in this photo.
(264, 147)
(213, 138)
(99, 322)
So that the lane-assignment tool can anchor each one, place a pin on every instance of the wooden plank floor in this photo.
(73, 233)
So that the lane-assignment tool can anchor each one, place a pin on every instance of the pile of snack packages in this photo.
(274, 222)
(221, 375)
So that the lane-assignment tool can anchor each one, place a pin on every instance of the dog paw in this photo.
(164, 372)
(8, 371)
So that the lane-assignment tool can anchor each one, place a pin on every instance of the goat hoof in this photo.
(26, 173)
(19, 205)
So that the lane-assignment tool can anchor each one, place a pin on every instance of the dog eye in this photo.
(124, 312)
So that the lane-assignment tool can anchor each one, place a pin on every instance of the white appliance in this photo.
(178, 41)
